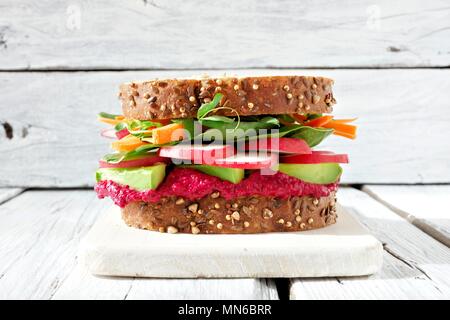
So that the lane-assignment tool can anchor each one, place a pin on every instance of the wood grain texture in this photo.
(426, 207)
(415, 265)
(39, 237)
(75, 34)
(56, 143)
(9, 193)
(82, 285)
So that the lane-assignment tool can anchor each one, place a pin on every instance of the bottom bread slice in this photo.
(213, 214)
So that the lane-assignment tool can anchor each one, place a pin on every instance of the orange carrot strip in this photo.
(319, 122)
(114, 121)
(344, 120)
(165, 134)
(341, 127)
(109, 121)
(128, 143)
(344, 134)
(162, 121)
(300, 118)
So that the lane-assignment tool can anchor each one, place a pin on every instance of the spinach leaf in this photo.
(264, 123)
(236, 131)
(114, 157)
(312, 136)
(108, 115)
(218, 119)
(312, 116)
(269, 121)
(145, 124)
(137, 128)
(120, 126)
(286, 118)
(207, 107)
(283, 131)
(136, 125)
(142, 125)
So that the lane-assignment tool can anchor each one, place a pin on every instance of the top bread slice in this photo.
(181, 98)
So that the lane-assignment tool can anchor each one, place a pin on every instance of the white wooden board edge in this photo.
(342, 249)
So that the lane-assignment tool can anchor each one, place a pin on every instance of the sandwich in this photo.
(224, 155)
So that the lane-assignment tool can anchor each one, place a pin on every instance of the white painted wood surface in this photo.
(74, 34)
(415, 265)
(426, 207)
(56, 137)
(40, 232)
(83, 285)
(111, 248)
(9, 193)
(39, 237)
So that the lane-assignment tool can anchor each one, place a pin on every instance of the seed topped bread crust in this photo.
(181, 98)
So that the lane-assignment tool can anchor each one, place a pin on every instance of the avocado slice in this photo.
(234, 175)
(140, 179)
(321, 173)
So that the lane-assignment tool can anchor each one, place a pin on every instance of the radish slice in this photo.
(282, 145)
(315, 157)
(248, 161)
(144, 161)
(122, 133)
(199, 154)
(109, 133)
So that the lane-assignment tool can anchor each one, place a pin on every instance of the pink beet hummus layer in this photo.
(191, 184)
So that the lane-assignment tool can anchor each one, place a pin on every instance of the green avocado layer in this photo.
(143, 178)
(233, 175)
(321, 173)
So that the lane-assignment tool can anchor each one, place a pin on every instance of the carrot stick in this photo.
(342, 127)
(128, 143)
(319, 122)
(166, 134)
(114, 121)
(300, 118)
(344, 134)
(344, 120)
(162, 121)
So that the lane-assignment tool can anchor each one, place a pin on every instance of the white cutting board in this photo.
(343, 249)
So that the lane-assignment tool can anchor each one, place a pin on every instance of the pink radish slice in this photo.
(248, 161)
(108, 133)
(122, 133)
(199, 154)
(140, 162)
(282, 145)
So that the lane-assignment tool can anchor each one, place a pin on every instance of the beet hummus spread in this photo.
(192, 185)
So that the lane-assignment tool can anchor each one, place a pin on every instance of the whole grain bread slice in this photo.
(214, 214)
(181, 98)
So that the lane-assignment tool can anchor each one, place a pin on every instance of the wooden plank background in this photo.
(61, 63)
(56, 143)
(415, 266)
(40, 233)
(196, 34)
(423, 206)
